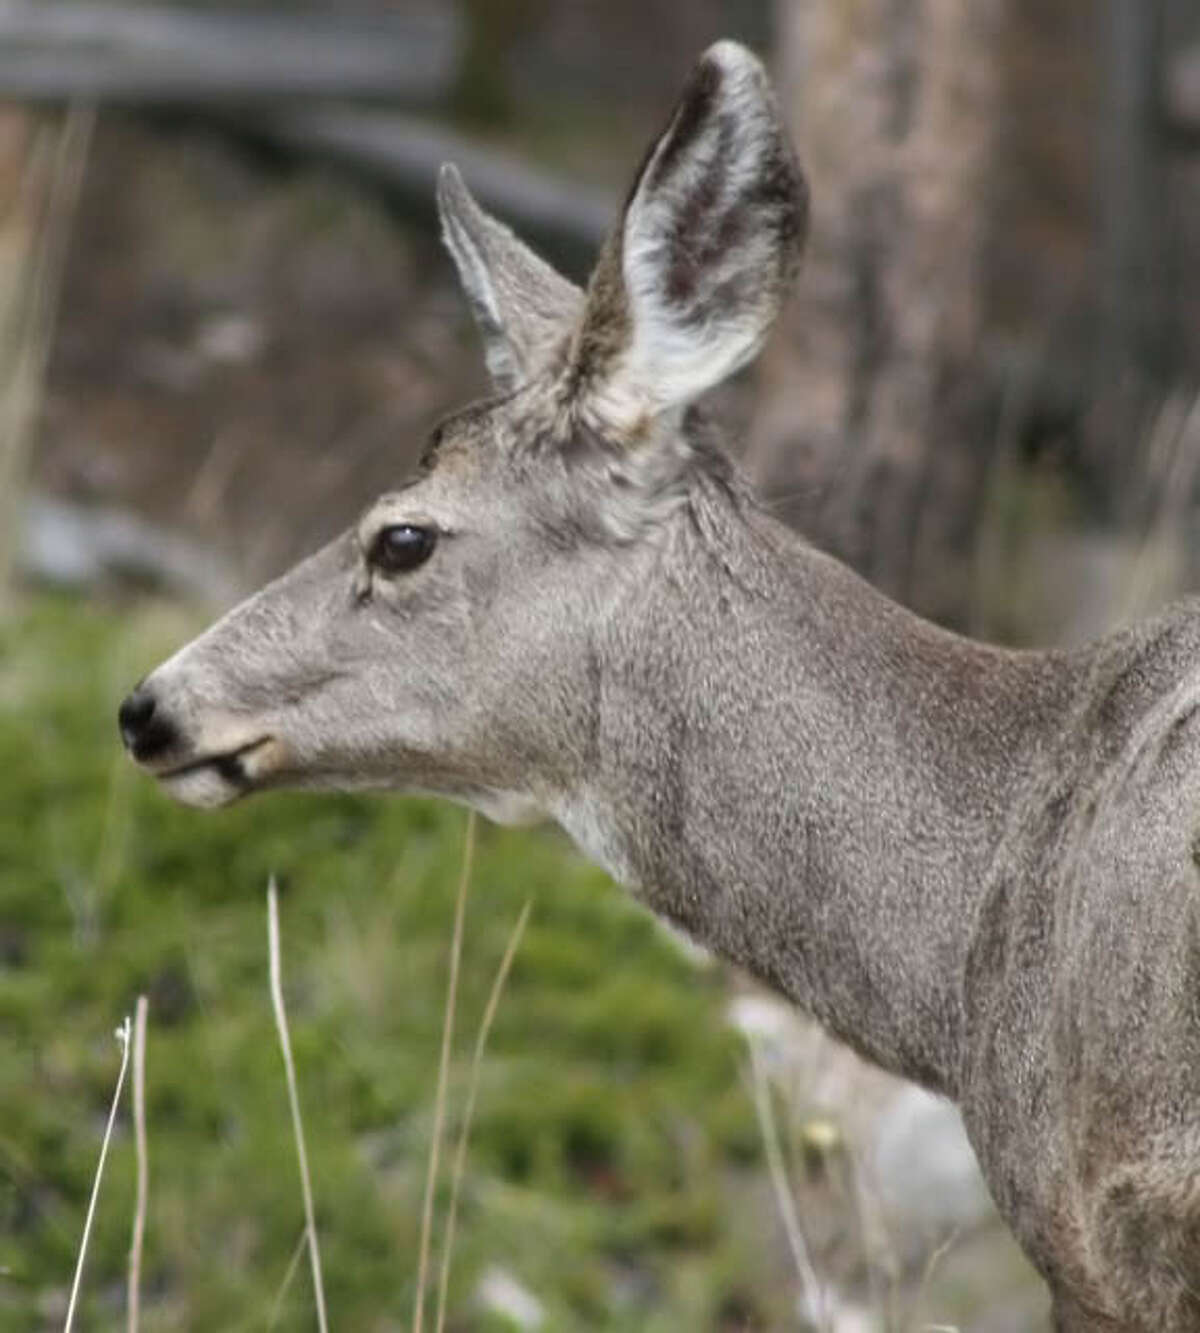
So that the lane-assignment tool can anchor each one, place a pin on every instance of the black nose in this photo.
(144, 730)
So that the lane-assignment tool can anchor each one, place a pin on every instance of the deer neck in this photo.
(808, 779)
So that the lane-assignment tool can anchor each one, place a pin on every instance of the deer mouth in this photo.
(221, 777)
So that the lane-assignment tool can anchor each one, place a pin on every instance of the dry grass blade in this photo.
(931, 1266)
(810, 1287)
(133, 1299)
(289, 1273)
(123, 1038)
(1175, 443)
(464, 1134)
(439, 1108)
(294, 1098)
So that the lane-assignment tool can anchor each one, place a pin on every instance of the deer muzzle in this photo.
(210, 772)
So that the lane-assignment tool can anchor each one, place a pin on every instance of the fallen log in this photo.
(136, 55)
(400, 156)
(259, 74)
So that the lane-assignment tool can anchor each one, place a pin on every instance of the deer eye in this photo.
(401, 547)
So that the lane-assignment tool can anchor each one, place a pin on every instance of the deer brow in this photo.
(462, 418)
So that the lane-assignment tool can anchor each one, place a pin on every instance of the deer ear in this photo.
(691, 281)
(523, 308)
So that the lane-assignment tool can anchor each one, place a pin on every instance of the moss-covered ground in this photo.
(612, 1121)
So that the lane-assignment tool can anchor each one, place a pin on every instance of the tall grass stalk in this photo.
(30, 293)
(285, 1043)
(931, 1265)
(439, 1107)
(289, 1273)
(810, 1286)
(133, 1297)
(1174, 445)
(122, 1035)
(464, 1133)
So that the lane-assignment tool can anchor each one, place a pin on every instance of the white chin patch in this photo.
(204, 788)
(506, 808)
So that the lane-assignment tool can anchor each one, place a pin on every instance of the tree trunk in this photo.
(1133, 203)
(873, 430)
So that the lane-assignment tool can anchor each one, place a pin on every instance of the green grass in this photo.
(612, 1123)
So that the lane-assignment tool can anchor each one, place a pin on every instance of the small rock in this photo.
(230, 339)
(501, 1294)
(79, 546)
(924, 1167)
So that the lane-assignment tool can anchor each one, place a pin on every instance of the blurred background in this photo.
(226, 323)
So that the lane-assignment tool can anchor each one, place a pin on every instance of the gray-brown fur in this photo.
(977, 867)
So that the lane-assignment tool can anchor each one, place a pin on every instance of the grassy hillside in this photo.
(612, 1128)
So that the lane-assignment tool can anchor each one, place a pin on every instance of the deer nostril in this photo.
(135, 712)
(144, 730)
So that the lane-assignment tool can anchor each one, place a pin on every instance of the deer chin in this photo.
(501, 807)
(212, 780)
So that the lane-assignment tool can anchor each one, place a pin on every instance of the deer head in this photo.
(447, 643)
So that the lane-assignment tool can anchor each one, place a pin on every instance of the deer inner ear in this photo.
(690, 282)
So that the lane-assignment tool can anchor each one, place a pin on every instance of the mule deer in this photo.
(977, 867)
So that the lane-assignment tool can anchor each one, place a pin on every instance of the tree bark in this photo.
(873, 430)
(1134, 304)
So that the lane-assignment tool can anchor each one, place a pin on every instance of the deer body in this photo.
(975, 866)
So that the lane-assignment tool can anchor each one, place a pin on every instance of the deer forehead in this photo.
(516, 454)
